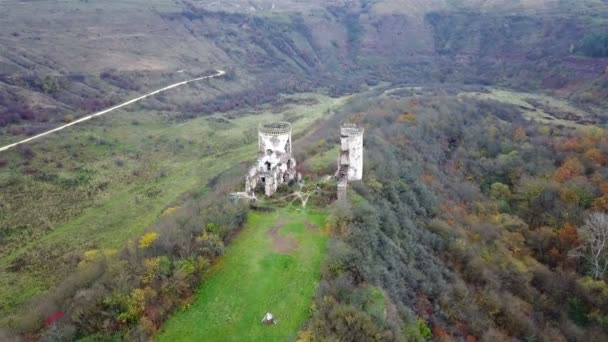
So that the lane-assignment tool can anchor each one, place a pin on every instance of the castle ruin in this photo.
(275, 164)
(350, 162)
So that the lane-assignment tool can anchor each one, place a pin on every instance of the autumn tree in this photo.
(594, 247)
(520, 134)
(147, 240)
(500, 191)
(571, 168)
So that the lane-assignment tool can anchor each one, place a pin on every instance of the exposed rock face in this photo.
(275, 165)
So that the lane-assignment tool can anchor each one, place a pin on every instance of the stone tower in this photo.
(275, 165)
(350, 164)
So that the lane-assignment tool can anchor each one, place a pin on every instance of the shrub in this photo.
(26, 152)
(577, 311)
(595, 44)
(147, 240)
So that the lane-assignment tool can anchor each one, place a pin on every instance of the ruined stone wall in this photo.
(275, 165)
(280, 143)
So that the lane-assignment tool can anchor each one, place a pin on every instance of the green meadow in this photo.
(99, 184)
(272, 266)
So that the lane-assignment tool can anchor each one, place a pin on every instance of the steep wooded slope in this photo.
(75, 57)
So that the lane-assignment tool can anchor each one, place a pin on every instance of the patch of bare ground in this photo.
(282, 243)
(311, 227)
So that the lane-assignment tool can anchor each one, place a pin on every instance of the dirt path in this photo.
(311, 227)
(281, 243)
(106, 111)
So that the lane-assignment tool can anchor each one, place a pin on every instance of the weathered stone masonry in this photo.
(350, 162)
(275, 164)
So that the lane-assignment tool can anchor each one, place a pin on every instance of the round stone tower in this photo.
(351, 152)
(275, 136)
(275, 165)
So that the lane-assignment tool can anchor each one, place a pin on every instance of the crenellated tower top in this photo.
(275, 128)
(351, 130)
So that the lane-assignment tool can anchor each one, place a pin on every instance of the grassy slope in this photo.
(253, 279)
(529, 111)
(125, 211)
(321, 161)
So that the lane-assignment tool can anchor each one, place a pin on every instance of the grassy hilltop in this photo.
(129, 168)
(273, 266)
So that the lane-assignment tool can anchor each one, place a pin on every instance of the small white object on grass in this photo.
(269, 319)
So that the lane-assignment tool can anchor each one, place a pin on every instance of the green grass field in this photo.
(272, 266)
(323, 160)
(161, 159)
(529, 111)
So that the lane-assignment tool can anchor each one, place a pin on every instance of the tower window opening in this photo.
(267, 166)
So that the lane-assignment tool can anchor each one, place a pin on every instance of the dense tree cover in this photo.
(595, 45)
(471, 221)
(128, 293)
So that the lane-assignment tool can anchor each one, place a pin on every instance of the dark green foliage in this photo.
(50, 85)
(577, 312)
(595, 44)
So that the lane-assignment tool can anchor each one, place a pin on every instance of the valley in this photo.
(484, 170)
(219, 73)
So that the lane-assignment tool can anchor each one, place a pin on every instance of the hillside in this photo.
(485, 154)
(74, 57)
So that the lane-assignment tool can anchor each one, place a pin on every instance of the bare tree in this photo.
(298, 195)
(594, 248)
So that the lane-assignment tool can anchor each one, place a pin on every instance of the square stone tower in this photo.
(350, 163)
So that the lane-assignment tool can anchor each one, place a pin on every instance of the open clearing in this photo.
(539, 107)
(253, 278)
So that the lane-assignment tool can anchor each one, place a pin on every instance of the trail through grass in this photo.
(254, 278)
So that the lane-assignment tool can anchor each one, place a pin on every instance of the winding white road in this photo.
(106, 111)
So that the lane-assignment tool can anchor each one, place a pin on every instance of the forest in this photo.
(474, 223)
